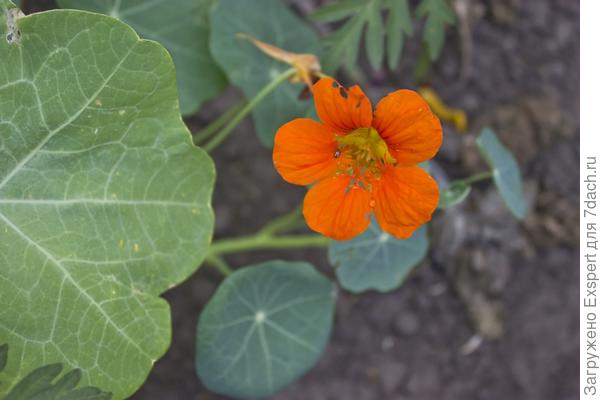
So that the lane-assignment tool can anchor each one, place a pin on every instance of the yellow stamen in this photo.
(366, 149)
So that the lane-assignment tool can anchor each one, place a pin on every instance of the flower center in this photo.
(366, 149)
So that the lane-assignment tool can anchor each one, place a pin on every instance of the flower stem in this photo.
(266, 242)
(217, 124)
(284, 223)
(477, 177)
(219, 264)
(226, 131)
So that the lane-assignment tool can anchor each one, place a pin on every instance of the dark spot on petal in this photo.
(343, 93)
(335, 85)
(359, 102)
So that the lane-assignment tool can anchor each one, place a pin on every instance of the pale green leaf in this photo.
(250, 69)
(453, 194)
(374, 35)
(264, 327)
(338, 10)
(343, 44)
(104, 201)
(397, 25)
(376, 260)
(182, 27)
(42, 384)
(506, 172)
(438, 14)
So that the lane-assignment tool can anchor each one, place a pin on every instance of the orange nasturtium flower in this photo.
(362, 162)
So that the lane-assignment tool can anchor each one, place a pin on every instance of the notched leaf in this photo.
(42, 384)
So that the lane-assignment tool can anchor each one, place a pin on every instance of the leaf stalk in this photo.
(226, 131)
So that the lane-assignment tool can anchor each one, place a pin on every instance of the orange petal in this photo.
(405, 198)
(413, 133)
(304, 151)
(337, 210)
(343, 110)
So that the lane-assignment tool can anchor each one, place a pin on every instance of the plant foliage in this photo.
(104, 201)
(182, 27)
(266, 325)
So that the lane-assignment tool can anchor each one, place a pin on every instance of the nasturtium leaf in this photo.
(104, 201)
(250, 69)
(44, 383)
(453, 194)
(376, 260)
(266, 325)
(506, 172)
(437, 14)
(182, 27)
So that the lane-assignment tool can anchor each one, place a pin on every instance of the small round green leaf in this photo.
(182, 27)
(104, 200)
(266, 325)
(506, 172)
(376, 260)
(453, 194)
(248, 68)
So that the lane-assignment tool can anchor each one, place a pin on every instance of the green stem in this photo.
(219, 137)
(217, 124)
(262, 242)
(219, 264)
(477, 177)
(284, 223)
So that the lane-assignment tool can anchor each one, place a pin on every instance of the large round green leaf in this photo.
(266, 325)
(104, 201)
(250, 69)
(376, 260)
(506, 172)
(182, 27)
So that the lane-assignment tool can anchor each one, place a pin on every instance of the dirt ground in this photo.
(492, 313)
